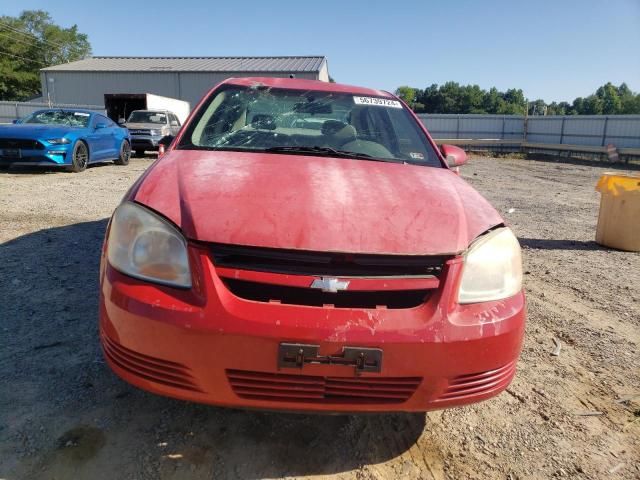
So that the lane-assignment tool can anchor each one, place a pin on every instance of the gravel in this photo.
(63, 414)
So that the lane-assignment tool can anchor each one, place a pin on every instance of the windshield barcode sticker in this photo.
(378, 102)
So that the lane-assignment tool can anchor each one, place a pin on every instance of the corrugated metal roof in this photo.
(193, 64)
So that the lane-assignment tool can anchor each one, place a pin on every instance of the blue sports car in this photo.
(67, 138)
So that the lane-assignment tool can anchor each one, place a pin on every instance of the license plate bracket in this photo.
(297, 355)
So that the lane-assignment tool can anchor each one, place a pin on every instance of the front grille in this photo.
(474, 384)
(264, 292)
(298, 264)
(324, 263)
(150, 368)
(138, 131)
(316, 389)
(23, 143)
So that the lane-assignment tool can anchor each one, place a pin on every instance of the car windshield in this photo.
(59, 117)
(148, 117)
(308, 122)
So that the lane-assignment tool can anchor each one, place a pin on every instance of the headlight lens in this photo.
(58, 141)
(492, 268)
(143, 245)
(155, 133)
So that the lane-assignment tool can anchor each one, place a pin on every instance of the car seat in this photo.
(337, 133)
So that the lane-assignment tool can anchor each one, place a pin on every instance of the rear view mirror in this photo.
(15, 120)
(455, 156)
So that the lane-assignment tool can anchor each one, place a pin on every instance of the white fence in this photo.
(10, 111)
(503, 127)
(623, 131)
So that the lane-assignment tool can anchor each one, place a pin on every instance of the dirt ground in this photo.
(64, 415)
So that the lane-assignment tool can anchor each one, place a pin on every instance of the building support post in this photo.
(604, 130)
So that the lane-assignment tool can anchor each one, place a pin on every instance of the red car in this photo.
(306, 246)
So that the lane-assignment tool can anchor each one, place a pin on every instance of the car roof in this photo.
(153, 110)
(303, 84)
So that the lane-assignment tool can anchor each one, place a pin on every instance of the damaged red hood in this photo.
(315, 203)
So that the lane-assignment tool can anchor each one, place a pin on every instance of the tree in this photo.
(562, 108)
(431, 99)
(30, 42)
(455, 98)
(537, 107)
(471, 99)
(407, 94)
(630, 103)
(611, 102)
(450, 97)
(593, 105)
(492, 101)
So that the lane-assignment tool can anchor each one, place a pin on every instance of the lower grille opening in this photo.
(315, 389)
(479, 383)
(150, 368)
(24, 143)
(263, 292)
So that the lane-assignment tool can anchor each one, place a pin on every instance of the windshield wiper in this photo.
(329, 152)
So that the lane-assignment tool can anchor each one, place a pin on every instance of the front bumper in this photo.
(146, 142)
(52, 156)
(207, 345)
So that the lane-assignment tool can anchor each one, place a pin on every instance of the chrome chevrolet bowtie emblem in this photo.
(330, 284)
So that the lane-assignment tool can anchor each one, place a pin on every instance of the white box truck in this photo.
(120, 105)
(149, 118)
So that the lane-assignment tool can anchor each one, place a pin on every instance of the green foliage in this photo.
(407, 94)
(30, 42)
(454, 98)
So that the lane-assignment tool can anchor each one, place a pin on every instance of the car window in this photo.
(174, 119)
(268, 119)
(102, 119)
(59, 117)
(147, 117)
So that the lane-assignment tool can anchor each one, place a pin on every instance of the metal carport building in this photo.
(186, 78)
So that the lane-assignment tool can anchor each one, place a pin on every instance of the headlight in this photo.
(143, 245)
(492, 268)
(58, 141)
(155, 133)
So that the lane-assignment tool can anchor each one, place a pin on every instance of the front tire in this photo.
(79, 157)
(125, 154)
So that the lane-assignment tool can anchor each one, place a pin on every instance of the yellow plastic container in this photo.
(619, 217)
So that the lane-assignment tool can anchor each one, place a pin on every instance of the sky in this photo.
(554, 50)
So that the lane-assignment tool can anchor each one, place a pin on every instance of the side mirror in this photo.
(122, 122)
(101, 125)
(174, 123)
(15, 121)
(455, 156)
